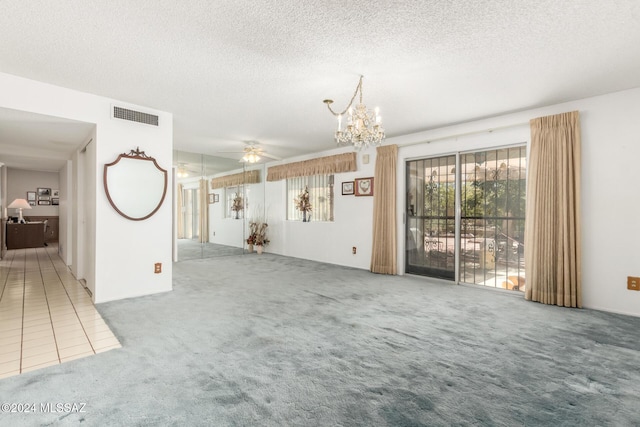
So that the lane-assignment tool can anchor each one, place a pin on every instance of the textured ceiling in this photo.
(232, 71)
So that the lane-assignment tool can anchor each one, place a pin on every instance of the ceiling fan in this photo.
(252, 153)
(182, 171)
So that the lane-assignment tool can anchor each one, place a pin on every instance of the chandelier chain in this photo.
(358, 89)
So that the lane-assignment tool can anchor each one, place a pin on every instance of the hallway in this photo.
(46, 316)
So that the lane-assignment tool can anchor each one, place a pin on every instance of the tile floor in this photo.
(46, 315)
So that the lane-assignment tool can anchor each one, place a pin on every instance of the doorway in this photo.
(431, 224)
(191, 213)
(465, 217)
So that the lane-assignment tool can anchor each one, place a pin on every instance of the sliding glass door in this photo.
(492, 218)
(466, 223)
(431, 217)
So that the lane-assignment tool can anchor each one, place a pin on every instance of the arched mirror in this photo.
(135, 185)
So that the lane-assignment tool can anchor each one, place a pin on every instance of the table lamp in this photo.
(19, 204)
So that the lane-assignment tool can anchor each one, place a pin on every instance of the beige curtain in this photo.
(204, 211)
(383, 257)
(552, 233)
(321, 166)
(248, 177)
(180, 212)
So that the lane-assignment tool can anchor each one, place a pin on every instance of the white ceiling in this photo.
(232, 71)
(36, 142)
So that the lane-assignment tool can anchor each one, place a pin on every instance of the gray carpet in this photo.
(272, 341)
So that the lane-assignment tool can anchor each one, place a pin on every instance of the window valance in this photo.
(248, 177)
(321, 166)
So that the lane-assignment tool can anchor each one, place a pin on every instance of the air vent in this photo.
(135, 116)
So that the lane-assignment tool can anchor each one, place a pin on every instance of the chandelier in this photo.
(364, 127)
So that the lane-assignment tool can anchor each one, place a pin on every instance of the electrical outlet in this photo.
(354, 250)
(633, 283)
(158, 268)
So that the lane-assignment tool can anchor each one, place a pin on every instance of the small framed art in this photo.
(55, 201)
(44, 192)
(44, 202)
(364, 186)
(216, 197)
(31, 196)
(347, 188)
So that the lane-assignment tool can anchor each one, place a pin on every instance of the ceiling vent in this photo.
(135, 116)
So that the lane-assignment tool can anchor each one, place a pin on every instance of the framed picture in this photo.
(55, 193)
(364, 186)
(216, 198)
(32, 202)
(347, 188)
(55, 201)
(44, 192)
(44, 202)
(31, 196)
(212, 198)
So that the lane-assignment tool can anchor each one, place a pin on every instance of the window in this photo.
(235, 202)
(320, 195)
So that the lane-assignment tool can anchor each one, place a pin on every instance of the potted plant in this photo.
(237, 205)
(261, 236)
(253, 234)
(303, 204)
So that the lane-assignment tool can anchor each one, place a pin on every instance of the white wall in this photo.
(125, 251)
(3, 192)
(330, 242)
(65, 234)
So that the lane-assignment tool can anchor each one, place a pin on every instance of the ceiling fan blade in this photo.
(269, 156)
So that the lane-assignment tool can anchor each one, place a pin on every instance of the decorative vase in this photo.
(304, 216)
(237, 214)
(259, 249)
(250, 248)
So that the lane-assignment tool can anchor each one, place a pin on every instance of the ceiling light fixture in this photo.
(181, 172)
(364, 127)
(250, 156)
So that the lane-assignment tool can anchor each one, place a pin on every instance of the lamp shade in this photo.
(19, 204)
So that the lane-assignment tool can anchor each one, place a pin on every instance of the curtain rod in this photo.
(457, 135)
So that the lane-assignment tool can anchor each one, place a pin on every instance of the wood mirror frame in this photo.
(135, 185)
